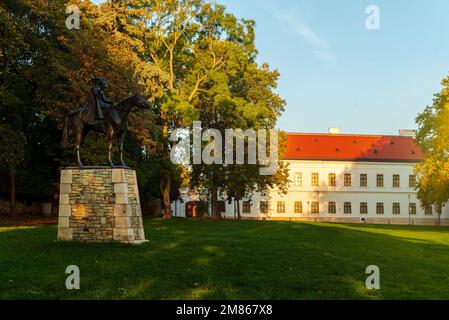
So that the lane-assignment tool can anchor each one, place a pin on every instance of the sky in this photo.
(335, 72)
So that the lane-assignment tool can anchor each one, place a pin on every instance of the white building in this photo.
(340, 178)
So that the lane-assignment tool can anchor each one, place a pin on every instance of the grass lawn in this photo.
(195, 259)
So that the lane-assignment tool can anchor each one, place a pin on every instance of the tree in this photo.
(242, 181)
(240, 95)
(12, 147)
(181, 38)
(32, 65)
(433, 137)
(45, 72)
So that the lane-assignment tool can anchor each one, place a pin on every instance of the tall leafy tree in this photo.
(32, 81)
(209, 58)
(433, 137)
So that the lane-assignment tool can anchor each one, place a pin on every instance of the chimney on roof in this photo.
(407, 133)
(334, 130)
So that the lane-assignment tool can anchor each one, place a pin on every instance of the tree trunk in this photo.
(12, 199)
(171, 81)
(165, 191)
(239, 217)
(215, 206)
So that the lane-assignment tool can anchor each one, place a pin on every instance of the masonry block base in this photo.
(100, 205)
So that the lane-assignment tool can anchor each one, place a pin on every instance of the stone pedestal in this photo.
(99, 205)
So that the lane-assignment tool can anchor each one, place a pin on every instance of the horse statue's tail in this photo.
(64, 141)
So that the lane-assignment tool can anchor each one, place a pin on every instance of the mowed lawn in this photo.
(196, 259)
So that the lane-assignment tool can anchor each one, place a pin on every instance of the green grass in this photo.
(195, 259)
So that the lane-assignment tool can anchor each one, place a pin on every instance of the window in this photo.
(363, 207)
(314, 179)
(315, 207)
(348, 180)
(412, 181)
(281, 207)
(380, 180)
(347, 208)
(332, 208)
(396, 208)
(396, 181)
(264, 206)
(246, 206)
(332, 180)
(222, 206)
(264, 193)
(298, 179)
(380, 208)
(363, 180)
(298, 207)
(412, 208)
(428, 210)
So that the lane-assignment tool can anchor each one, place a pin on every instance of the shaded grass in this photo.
(196, 259)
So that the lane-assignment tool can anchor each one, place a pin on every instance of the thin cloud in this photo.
(321, 47)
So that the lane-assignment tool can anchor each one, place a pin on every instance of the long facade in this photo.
(339, 178)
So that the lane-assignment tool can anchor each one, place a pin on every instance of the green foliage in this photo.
(433, 137)
(12, 148)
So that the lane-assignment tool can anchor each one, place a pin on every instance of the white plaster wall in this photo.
(339, 194)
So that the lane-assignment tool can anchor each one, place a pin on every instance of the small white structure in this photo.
(340, 178)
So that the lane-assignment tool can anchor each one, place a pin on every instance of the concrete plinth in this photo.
(100, 205)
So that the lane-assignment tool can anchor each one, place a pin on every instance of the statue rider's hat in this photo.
(101, 81)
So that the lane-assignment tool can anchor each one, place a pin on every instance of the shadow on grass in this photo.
(196, 259)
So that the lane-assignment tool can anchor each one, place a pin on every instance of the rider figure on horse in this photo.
(97, 100)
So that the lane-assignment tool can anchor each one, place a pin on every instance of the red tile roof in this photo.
(347, 147)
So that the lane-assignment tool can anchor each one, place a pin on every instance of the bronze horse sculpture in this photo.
(113, 125)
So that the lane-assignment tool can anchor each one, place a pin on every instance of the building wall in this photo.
(355, 194)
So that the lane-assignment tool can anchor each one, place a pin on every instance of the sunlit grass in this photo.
(195, 259)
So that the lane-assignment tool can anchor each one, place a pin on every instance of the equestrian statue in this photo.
(101, 115)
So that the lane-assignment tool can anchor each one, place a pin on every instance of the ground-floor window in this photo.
(281, 207)
(347, 208)
(363, 207)
(298, 207)
(412, 208)
(396, 208)
(332, 207)
(315, 207)
(428, 210)
(380, 208)
(264, 206)
(246, 206)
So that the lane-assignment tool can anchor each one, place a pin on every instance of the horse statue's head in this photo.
(140, 102)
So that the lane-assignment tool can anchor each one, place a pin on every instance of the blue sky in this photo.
(337, 73)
